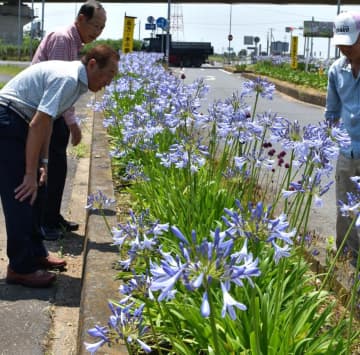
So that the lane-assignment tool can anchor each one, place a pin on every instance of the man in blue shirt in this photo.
(343, 102)
(29, 103)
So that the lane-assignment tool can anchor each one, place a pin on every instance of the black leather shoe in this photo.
(67, 226)
(49, 233)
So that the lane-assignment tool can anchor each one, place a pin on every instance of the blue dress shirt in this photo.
(343, 101)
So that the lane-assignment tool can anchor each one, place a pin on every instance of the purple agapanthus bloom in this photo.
(277, 229)
(140, 235)
(352, 207)
(204, 265)
(260, 86)
(99, 201)
(94, 347)
(205, 306)
(229, 302)
(125, 322)
(280, 252)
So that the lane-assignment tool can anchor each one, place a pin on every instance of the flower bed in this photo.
(212, 255)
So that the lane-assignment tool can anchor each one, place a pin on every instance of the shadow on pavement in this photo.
(14, 293)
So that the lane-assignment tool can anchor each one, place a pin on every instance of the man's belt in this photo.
(9, 104)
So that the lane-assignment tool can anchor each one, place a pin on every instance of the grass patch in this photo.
(10, 69)
(79, 151)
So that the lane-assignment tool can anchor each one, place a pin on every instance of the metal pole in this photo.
(31, 29)
(167, 54)
(42, 19)
(230, 33)
(337, 50)
(19, 29)
(312, 39)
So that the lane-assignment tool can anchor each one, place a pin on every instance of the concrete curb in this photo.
(297, 92)
(99, 255)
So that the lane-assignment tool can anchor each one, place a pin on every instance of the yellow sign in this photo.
(128, 34)
(294, 52)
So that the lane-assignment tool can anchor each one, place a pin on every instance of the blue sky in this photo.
(208, 22)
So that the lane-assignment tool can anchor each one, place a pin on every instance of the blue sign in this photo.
(150, 26)
(161, 22)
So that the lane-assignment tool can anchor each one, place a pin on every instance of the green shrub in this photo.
(282, 71)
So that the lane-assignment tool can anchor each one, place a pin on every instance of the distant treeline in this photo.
(28, 48)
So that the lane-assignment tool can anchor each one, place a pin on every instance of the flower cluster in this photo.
(99, 201)
(124, 323)
(139, 235)
(206, 265)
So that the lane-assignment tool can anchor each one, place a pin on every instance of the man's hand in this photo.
(27, 189)
(43, 175)
(75, 134)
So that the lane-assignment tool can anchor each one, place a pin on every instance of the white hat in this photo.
(346, 28)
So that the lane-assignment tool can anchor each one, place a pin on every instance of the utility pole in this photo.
(19, 30)
(337, 51)
(167, 52)
(271, 40)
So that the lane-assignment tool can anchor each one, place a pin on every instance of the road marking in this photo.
(210, 78)
(225, 71)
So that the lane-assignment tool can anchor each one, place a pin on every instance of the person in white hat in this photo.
(343, 107)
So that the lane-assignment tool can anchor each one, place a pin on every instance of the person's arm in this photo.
(71, 122)
(333, 101)
(37, 144)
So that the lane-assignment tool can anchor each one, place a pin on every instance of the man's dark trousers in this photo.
(57, 170)
(23, 246)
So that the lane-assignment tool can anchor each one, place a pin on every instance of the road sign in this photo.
(161, 22)
(151, 19)
(248, 40)
(256, 39)
(150, 26)
(230, 37)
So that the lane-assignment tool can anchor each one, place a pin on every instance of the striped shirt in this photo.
(63, 44)
(51, 87)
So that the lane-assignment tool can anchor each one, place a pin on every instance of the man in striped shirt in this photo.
(65, 44)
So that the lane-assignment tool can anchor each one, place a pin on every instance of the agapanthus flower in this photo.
(205, 306)
(99, 201)
(139, 235)
(229, 303)
(280, 252)
(351, 208)
(203, 265)
(260, 86)
(97, 332)
(94, 347)
(125, 322)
